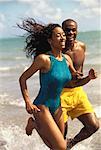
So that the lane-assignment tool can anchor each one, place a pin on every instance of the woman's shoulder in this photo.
(43, 61)
(42, 58)
(67, 57)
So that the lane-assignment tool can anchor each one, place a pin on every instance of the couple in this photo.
(56, 70)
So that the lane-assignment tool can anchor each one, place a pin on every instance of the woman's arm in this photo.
(75, 82)
(74, 73)
(80, 82)
(38, 64)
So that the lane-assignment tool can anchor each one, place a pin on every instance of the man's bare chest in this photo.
(77, 57)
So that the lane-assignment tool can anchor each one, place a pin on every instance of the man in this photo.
(74, 100)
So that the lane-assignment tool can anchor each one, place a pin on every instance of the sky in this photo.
(87, 13)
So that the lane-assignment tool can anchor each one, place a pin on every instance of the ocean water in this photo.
(13, 116)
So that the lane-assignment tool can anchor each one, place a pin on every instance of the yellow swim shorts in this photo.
(74, 103)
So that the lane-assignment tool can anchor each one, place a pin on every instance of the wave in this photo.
(8, 100)
(5, 99)
(12, 58)
(19, 140)
(4, 69)
(11, 68)
(15, 138)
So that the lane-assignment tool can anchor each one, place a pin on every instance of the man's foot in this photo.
(70, 144)
(30, 126)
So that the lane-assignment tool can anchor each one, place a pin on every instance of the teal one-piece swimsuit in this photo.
(52, 83)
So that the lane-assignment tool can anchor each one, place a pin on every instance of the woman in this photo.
(46, 44)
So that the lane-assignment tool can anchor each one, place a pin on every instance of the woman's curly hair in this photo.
(37, 37)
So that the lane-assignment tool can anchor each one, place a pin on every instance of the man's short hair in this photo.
(68, 20)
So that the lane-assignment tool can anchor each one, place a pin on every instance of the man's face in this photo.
(70, 29)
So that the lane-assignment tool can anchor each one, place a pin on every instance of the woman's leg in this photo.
(58, 117)
(48, 129)
(30, 126)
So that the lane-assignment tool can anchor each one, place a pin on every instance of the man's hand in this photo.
(92, 74)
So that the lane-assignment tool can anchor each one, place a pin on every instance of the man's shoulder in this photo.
(81, 44)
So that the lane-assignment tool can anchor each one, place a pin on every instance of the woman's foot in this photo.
(30, 126)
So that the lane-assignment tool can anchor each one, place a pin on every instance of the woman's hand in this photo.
(92, 74)
(31, 108)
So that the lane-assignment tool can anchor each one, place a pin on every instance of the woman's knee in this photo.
(61, 146)
(42, 114)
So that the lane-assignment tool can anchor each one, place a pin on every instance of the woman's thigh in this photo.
(58, 117)
(48, 129)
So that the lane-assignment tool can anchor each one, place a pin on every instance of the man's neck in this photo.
(69, 46)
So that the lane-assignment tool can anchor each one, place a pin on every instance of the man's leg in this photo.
(66, 130)
(91, 125)
(58, 117)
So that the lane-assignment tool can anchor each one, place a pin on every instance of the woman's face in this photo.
(58, 39)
